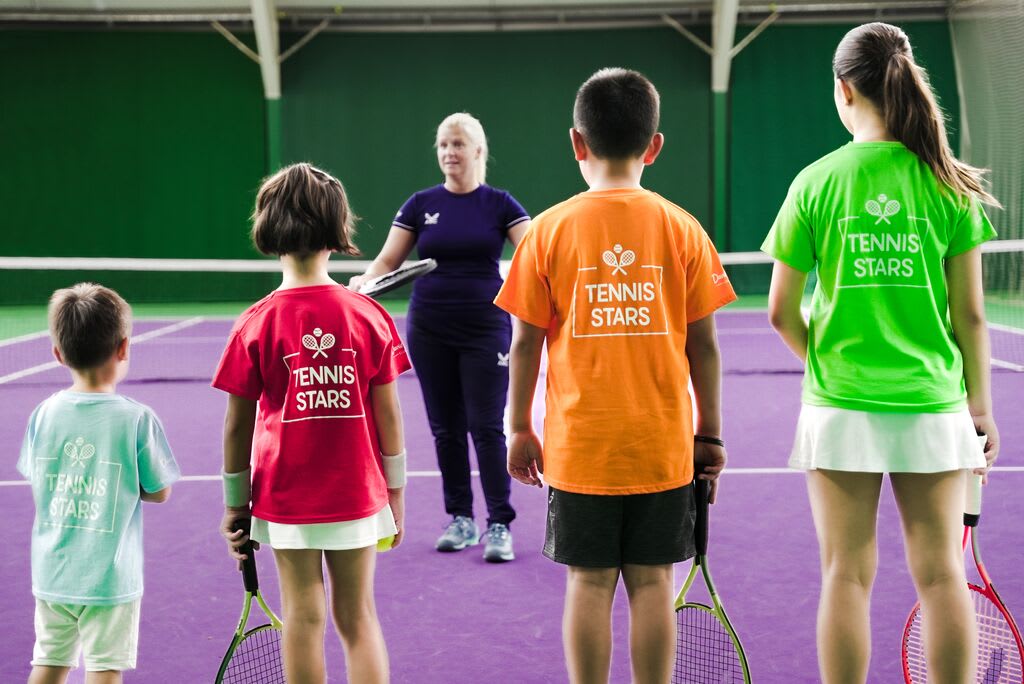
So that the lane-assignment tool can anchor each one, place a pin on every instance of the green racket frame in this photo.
(252, 591)
(700, 488)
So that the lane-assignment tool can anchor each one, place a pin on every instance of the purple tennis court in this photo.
(452, 617)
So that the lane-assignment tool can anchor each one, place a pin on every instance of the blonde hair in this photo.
(474, 130)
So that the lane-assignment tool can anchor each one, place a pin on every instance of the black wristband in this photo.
(709, 440)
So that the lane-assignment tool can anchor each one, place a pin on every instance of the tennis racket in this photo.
(708, 651)
(1000, 649)
(254, 656)
(395, 279)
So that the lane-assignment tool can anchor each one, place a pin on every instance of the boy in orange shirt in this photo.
(622, 285)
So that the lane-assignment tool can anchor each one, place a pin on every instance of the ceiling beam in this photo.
(264, 20)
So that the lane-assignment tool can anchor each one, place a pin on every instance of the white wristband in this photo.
(237, 488)
(394, 470)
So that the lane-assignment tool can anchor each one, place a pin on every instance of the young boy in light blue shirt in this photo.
(92, 457)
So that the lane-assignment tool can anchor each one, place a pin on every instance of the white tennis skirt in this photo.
(337, 536)
(860, 441)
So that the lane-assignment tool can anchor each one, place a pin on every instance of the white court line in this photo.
(24, 338)
(137, 339)
(1006, 364)
(475, 473)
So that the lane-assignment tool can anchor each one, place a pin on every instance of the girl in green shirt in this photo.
(896, 349)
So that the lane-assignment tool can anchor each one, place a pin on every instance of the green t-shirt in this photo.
(88, 455)
(878, 226)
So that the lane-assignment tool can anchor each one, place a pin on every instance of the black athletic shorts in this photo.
(599, 531)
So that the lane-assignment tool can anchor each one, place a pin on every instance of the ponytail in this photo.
(877, 60)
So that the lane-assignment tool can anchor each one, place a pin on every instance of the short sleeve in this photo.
(157, 467)
(513, 212)
(707, 285)
(239, 372)
(393, 359)
(791, 238)
(406, 216)
(526, 293)
(26, 464)
(972, 228)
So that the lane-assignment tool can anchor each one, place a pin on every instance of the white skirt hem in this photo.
(337, 536)
(831, 438)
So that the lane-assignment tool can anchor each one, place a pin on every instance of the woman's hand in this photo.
(355, 283)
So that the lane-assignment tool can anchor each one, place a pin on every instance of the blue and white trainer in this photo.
(498, 548)
(460, 533)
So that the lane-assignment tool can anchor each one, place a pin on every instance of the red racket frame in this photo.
(988, 591)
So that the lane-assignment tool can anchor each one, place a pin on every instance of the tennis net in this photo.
(184, 310)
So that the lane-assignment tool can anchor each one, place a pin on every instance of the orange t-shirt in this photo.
(614, 277)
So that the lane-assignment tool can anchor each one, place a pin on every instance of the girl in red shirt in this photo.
(313, 443)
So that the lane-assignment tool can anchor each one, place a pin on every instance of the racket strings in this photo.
(705, 653)
(257, 659)
(999, 659)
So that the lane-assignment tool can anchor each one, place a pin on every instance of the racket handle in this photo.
(700, 526)
(972, 492)
(249, 576)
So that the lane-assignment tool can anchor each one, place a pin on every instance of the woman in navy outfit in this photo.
(458, 339)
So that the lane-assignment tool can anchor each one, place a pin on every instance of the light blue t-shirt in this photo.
(87, 455)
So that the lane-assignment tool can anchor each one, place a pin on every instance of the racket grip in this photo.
(249, 576)
(700, 526)
(972, 492)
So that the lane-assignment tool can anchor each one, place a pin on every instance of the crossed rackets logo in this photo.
(79, 452)
(318, 343)
(618, 259)
(882, 208)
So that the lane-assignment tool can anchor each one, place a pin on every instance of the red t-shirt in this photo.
(309, 356)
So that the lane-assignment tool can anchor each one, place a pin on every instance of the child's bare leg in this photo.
(845, 507)
(931, 506)
(48, 674)
(587, 623)
(303, 601)
(103, 677)
(355, 614)
(652, 623)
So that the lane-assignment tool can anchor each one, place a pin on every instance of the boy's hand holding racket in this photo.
(233, 535)
(708, 462)
(526, 458)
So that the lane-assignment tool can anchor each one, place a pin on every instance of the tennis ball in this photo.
(385, 543)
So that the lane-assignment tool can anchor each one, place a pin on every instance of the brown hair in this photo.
(877, 60)
(617, 113)
(87, 323)
(302, 210)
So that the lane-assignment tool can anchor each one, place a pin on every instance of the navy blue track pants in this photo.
(461, 361)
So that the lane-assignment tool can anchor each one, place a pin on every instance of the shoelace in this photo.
(497, 533)
(463, 525)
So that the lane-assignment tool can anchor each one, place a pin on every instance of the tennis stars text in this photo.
(886, 244)
(616, 295)
(71, 491)
(323, 396)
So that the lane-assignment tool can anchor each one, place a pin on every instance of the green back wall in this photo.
(152, 144)
(138, 144)
(367, 107)
(784, 115)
